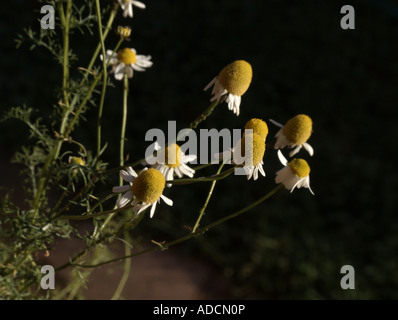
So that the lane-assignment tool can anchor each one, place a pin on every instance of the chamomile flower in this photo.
(294, 134)
(146, 189)
(172, 160)
(127, 6)
(253, 155)
(232, 81)
(258, 126)
(127, 60)
(77, 160)
(123, 32)
(295, 174)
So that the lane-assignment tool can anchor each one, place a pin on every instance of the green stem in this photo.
(124, 121)
(202, 211)
(65, 78)
(186, 237)
(215, 177)
(104, 78)
(204, 115)
(127, 268)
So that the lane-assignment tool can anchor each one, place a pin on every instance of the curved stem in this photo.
(104, 78)
(202, 211)
(186, 237)
(127, 267)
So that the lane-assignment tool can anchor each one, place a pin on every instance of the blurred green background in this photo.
(293, 245)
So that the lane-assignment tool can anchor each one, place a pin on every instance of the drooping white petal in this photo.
(153, 208)
(167, 200)
(137, 68)
(295, 150)
(131, 172)
(138, 4)
(276, 123)
(129, 71)
(119, 71)
(308, 147)
(143, 207)
(124, 199)
(169, 174)
(261, 169)
(210, 84)
(129, 10)
(188, 158)
(126, 176)
(282, 158)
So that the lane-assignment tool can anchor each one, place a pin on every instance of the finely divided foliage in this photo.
(64, 179)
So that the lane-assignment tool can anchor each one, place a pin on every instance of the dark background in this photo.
(293, 245)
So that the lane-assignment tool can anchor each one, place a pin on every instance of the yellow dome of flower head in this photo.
(299, 167)
(258, 126)
(126, 55)
(256, 154)
(173, 155)
(236, 77)
(298, 129)
(77, 160)
(149, 185)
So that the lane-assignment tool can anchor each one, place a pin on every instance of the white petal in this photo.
(153, 208)
(255, 173)
(121, 189)
(129, 71)
(282, 158)
(308, 185)
(138, 4)
(308, 147)
(295, 150)
(170, 174)
(178, 172)
(130, 10)
(188, 158)
(167, 200)
(157, 146)
(276, 123)
(210, 84)
(126, 176)
(124, 199)
(143, 207)
(136, 67)
(260, 167)
(119, 71)
(131, 172)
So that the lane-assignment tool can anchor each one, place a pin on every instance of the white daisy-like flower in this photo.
(127, 60)
(249, 156)
(127, 7)
(295, 174)
(146, 189)
(254, 154)
(233, 81)
(294, 134)
(172, 160)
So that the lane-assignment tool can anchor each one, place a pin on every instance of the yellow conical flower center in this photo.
(255, 154)
(149, 185)
(258, 126)
(298, 129)
(126, 55)
(299, 167)
(77, 160)
(173, 155)
(236, 77)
